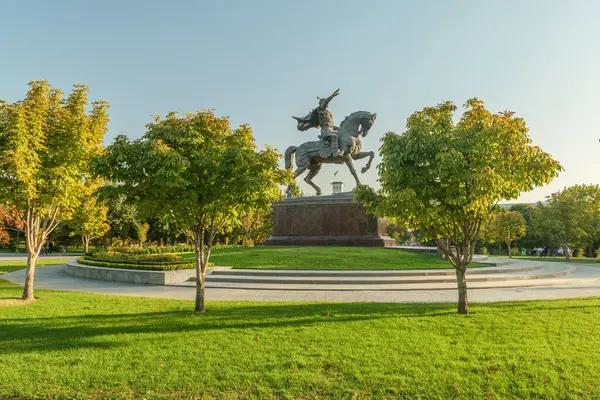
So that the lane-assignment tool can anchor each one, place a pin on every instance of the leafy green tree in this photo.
(142, 233)
(123, 217)
(195, 171)
(46, 143)
(256, 225)
(509, 226)
(89, 221)
(529, 240)
(445, 178)
(570, 219)
(295, 190)
(589, 196)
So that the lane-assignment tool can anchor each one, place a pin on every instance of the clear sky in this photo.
(260, 62)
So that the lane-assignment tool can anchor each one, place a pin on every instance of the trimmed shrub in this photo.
(164, 249)
(514, 251)
(146, 267)
(483, 251)
(138, 258)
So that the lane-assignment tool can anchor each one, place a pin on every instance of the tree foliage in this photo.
(10, 220)
(142, 233)
(123, 217)
(90, 220)
(46, 143)
(445, 178)
(508, 227)
(570, 218)
(295, 190)
(193, 170)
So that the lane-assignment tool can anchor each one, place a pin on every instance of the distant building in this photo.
(337, 187)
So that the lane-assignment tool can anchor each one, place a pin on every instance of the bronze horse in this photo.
(309, 155)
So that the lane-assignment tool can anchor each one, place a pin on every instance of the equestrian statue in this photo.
(336, 145)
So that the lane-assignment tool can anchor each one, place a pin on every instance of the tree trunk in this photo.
(463, 300)
(86, 243)
(509, 254)
(566, 251)
(29, 275)
(199, 250)
(199, 307)
(17, 244)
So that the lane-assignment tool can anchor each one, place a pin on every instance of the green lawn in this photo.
(324, 258)
(10, 266)
(72, 345)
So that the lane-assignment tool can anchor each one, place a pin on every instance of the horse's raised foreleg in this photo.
(350, 165)
(313, 170)
(362, 155)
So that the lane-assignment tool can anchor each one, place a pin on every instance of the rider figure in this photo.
(320, 117)
(328, 129)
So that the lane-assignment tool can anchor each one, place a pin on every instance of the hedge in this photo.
(162, 267)
(164, 249)
(146, 259)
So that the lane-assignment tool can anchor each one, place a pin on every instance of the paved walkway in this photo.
(23, 257)
(55, 277)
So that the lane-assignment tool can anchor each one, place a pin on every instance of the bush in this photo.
(146, 267)
(147, 259)
(579, 252)
(515, 251)
(483, 251)
(164, 249)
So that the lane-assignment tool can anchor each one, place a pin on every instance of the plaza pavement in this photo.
(585, 282)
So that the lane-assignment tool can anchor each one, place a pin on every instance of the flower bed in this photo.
(138, 265)
(147, 267)
(163, 249)
(145, 259)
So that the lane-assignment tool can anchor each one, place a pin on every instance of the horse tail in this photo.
(289, 156)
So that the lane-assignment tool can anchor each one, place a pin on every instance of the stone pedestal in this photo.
(334, 220)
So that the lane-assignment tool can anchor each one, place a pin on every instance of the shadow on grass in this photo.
(23, 335)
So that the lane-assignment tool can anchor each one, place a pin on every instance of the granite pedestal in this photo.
(334, 220)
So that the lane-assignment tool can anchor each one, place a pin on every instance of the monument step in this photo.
(314, 279)
(370, 273)
(547, 282)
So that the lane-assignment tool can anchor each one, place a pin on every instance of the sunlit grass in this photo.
(330, 258)
(73, 345)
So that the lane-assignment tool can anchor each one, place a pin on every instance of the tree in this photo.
(529, 240)
(589, 198)
(46, 143)
(123, 217)
(509, 226)
(10, 220)
(89, 221)
(142, 233)
(195, 171)
(571, 217)
(445, 178)
(295, 190)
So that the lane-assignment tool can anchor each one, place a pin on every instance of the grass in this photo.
(73, 345)
(10, 266)
(330, 258)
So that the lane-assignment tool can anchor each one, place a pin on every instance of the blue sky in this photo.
(260, 62)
